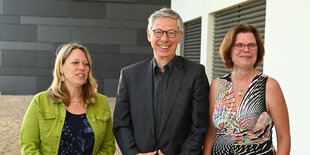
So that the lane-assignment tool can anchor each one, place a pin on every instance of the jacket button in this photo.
(93, 120)
(44, 115)
(104, 117)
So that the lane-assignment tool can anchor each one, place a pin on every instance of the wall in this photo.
(188, 11)
(287, 60)
(287, 54)
(192, 10)
(31, 30)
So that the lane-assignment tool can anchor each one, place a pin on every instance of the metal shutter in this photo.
(253, 13)
(190, 47)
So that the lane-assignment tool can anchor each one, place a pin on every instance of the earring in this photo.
(63, 78)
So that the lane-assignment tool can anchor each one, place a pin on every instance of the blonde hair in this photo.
(58, 89)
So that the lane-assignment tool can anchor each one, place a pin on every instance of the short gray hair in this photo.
(165, 12)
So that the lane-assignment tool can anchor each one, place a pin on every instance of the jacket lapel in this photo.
(176, 78)
(147, 84)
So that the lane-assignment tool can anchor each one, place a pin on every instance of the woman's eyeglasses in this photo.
(240, 46)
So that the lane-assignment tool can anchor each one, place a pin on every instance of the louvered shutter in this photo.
(192, 40)
(253, 14)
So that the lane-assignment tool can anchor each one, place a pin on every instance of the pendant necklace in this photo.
(76, 102)
(240, 92)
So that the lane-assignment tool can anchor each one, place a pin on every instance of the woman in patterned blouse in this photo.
(245, 104)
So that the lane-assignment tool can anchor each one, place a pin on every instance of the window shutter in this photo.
(253, 14)
(190, 47)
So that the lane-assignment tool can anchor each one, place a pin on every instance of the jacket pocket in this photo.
(104, 116)
(47, 121)
(101, 121)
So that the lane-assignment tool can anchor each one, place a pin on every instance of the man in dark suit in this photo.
(162, 103)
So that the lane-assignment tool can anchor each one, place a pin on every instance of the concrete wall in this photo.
(287, 53)
(31, 30)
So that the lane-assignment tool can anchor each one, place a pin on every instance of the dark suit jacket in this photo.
(184, 121)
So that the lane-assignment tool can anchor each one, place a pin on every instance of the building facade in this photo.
(31, 30)
(286, 38)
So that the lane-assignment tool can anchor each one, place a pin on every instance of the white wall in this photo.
(287, 59)
(287, 56)
(192, 11)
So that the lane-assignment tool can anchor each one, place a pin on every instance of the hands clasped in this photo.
(152, 153)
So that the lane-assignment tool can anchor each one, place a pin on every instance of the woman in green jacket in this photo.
(70, 117)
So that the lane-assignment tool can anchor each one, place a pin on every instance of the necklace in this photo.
(76, 102)
(240, 91)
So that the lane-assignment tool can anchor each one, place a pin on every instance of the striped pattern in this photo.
(246, 129)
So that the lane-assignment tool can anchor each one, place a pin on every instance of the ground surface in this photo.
(12, 112)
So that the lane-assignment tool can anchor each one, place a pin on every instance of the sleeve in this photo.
(29, 137)
(108, 144)
(199, 115)
(122, 123)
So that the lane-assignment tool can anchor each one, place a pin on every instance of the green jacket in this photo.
(43, 122)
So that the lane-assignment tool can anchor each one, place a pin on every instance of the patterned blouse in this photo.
(77, 136)
(243, 130)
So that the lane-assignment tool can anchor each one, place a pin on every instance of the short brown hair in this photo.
(229, 41)
(58, 88)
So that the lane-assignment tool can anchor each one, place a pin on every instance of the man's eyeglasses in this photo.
(240, 46)
(159, 33)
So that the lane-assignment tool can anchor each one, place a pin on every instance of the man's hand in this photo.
(152, 153)
(149, 153)
(160, 153)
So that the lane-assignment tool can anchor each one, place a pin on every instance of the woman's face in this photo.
(75, 69)
(244, 51)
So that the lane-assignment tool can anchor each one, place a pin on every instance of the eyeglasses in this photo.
(170, 34)
(240, 46)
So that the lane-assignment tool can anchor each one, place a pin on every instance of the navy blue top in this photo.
(77, 136)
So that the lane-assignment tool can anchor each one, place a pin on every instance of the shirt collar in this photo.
(166, 67)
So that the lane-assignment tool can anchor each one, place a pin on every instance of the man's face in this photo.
(164, 47)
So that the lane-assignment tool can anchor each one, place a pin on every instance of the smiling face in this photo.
(245, 58)
(75, 69)
(164, 48)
